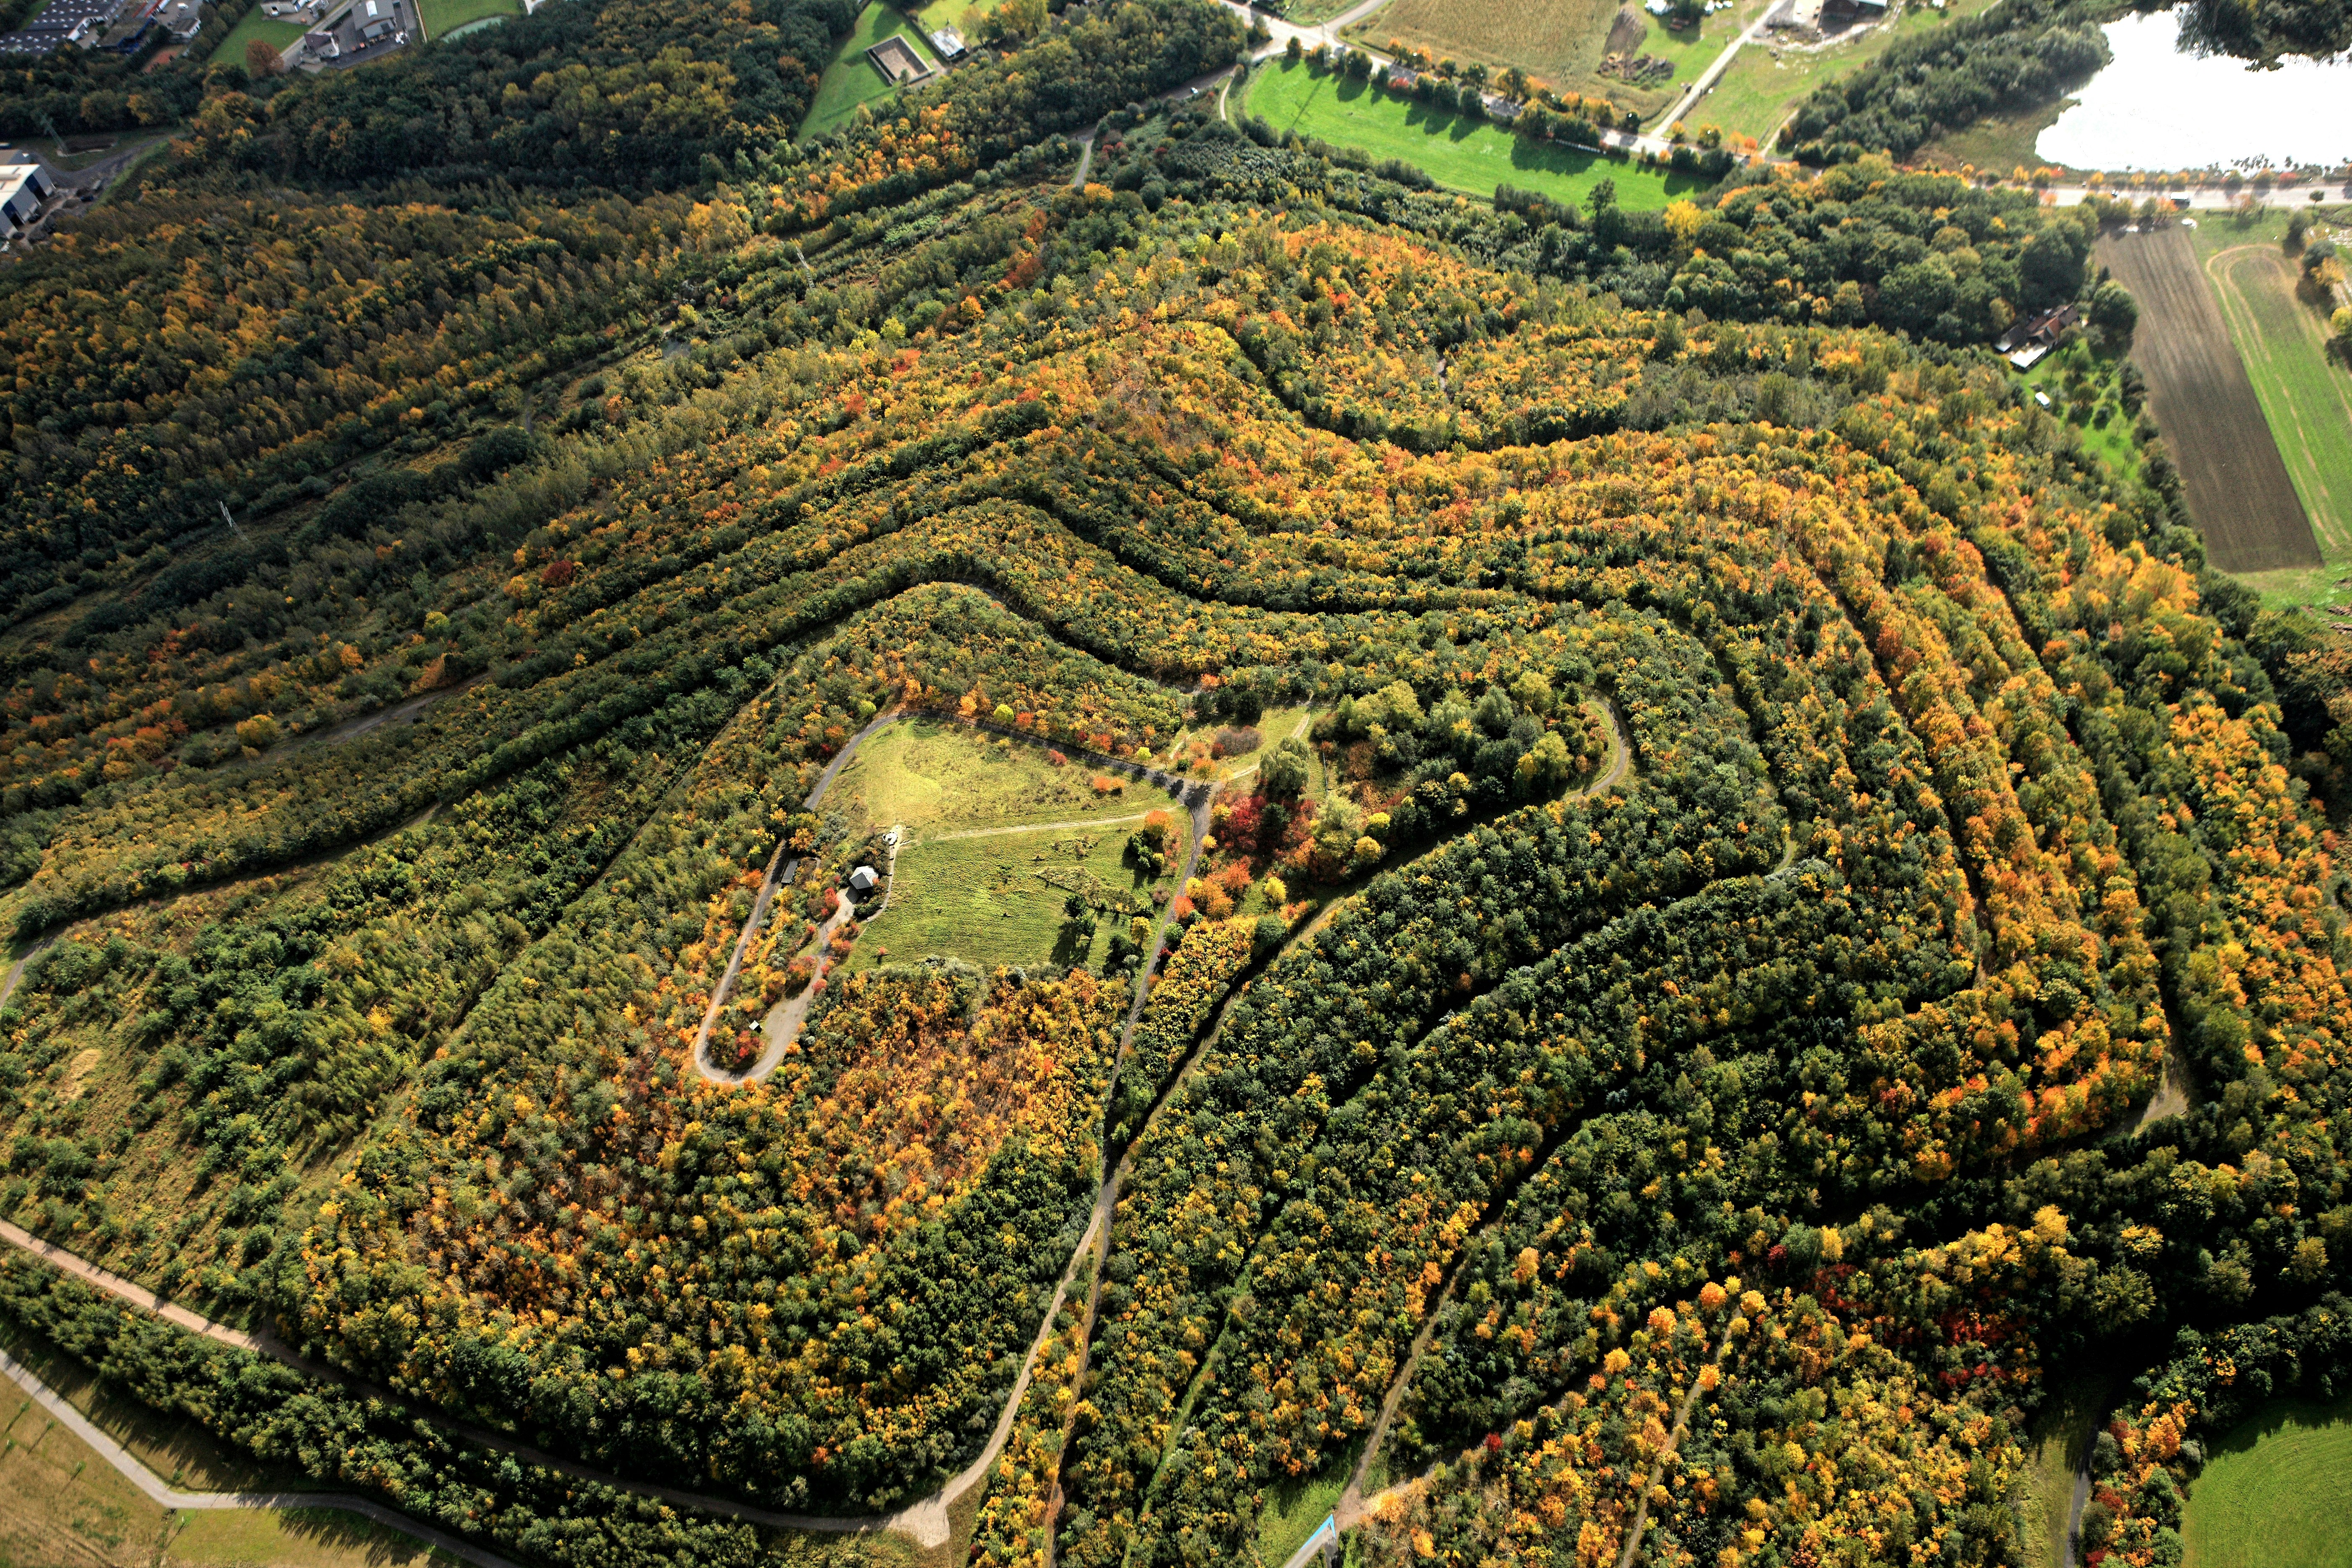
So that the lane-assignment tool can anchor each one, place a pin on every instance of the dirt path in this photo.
(168, 1496)
(1079, 825)
(1658, 1464)
(780, 872)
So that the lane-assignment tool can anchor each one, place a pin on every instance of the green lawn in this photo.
(2307, 397)
(441, 17)
(1759, 91)
(850, 77)
(990, 901)
(279, 35)
(1467, 155)
(2276, 1491)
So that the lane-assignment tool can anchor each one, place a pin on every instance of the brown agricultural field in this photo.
(1556, 41)
(2238, 488)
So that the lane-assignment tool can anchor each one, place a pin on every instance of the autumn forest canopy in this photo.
(1775, 903)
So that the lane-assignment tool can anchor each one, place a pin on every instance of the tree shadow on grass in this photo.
(372, 1543)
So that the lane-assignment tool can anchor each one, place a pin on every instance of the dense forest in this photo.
(1666, 1060)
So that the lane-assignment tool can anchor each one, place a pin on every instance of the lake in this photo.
(2156, 108)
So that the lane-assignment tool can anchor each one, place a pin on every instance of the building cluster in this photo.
(24, 187)
(100, 24)
(2031, 337)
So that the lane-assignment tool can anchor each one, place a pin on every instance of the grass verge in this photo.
(2058, 1446)
(2276, 1492)
(1295, 1508)
(1471, 157)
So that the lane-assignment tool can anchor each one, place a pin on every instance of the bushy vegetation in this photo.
(1772, 804)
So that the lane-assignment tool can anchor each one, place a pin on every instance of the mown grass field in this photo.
(849, 77)
(1760, 88)
(2306, 396)
(1465, 155)
(2276, 1492)
(443, 15)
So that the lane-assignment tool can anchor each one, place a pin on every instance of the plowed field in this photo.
(2237, 484)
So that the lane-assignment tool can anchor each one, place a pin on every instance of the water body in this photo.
(2155, 108)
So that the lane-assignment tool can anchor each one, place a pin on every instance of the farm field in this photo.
(2232, 471)
(276, 34)
(2275, 1491)
(1470, 156)
(1760, 88)
(1567, 55)
(445, 17)
(849, 77)
(2306, 395)
(1557, 41)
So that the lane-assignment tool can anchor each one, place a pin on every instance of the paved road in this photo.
(1706, 78)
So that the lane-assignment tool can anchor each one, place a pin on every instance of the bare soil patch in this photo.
(2237, 484)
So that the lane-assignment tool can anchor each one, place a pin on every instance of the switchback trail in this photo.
(925, 1521)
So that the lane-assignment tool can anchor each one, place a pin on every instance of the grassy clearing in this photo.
(1295, 1508)
(987, 900)
(1465, 155)
(441, 15)
(2276, 1491)
(987, 820)
(2306, 396)
(279, 35)
(1766, 81)
(850, 77)
(2057, 1447)
(934, 778)
(2002, 143)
